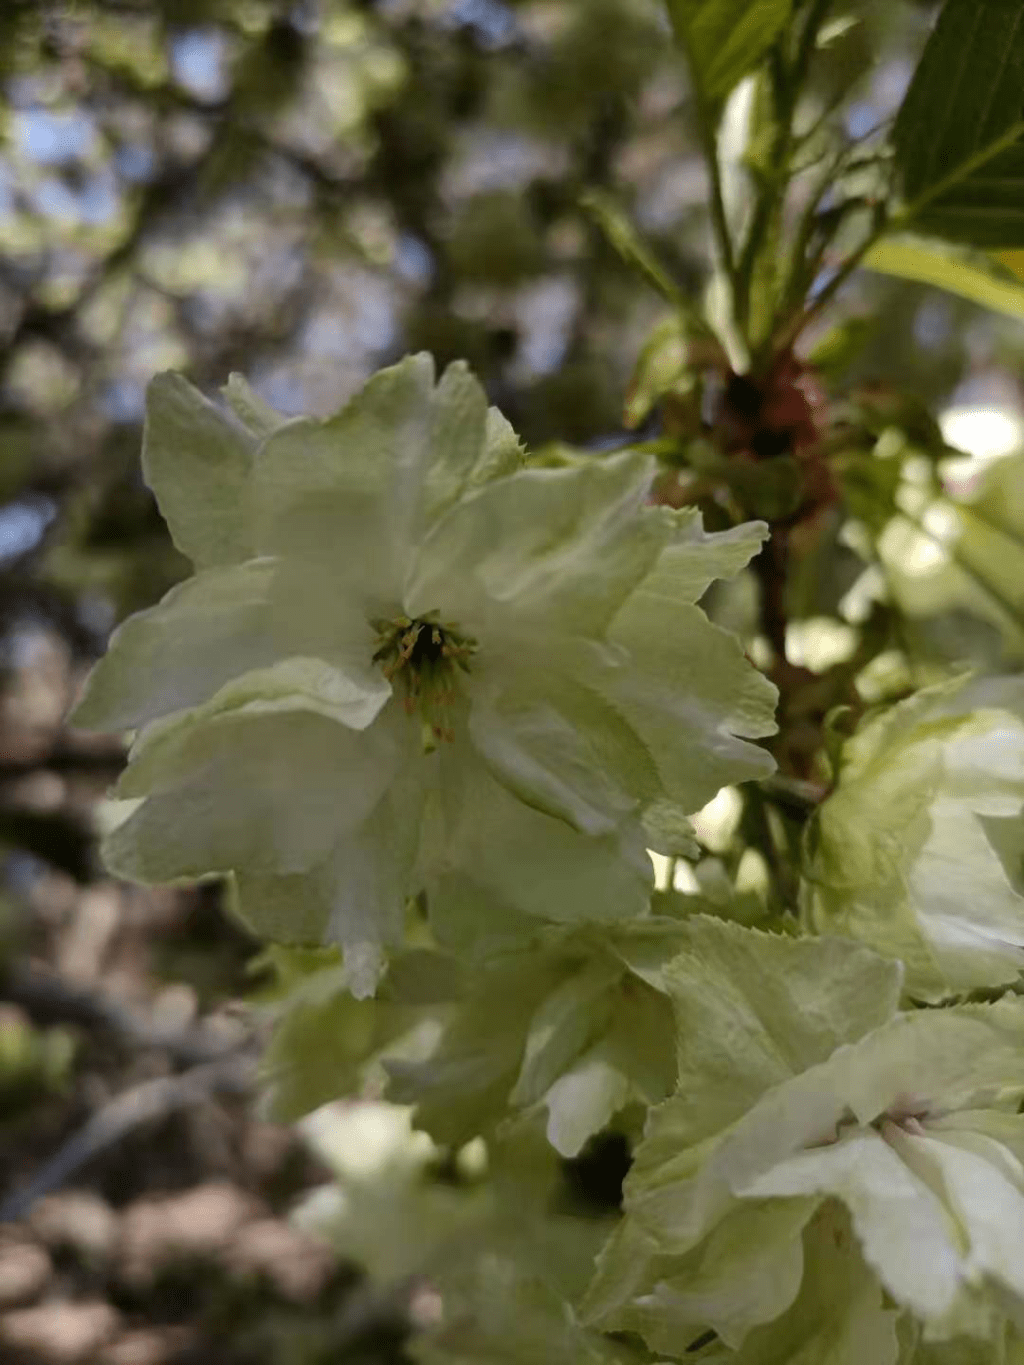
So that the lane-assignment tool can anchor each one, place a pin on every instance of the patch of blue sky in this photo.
(22, 525)
(494, 23)
(199, 63)
(861, 117)
(124, 401)
(95, 202)
(135, 161)
(413, 260)
(54, 139)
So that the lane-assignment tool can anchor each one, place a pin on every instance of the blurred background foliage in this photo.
(304, 192)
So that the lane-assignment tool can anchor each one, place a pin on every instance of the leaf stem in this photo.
(719, 219)
(709, 150)
(886, 223)
(786, 87)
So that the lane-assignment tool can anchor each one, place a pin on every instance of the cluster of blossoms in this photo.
(919, 850)
(412, 667)
(879, 1151)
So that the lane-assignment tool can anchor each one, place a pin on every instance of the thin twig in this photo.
(51, 999)
(143, 1103)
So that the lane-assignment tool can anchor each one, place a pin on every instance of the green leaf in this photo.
(627, 241)
(973, 275)
(724, 39)
(958, 132)
(663, 366)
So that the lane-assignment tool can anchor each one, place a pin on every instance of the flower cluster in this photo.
(918, 850)
(848, 1173)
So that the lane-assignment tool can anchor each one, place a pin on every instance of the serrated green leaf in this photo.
(958, 132)
(725, 39)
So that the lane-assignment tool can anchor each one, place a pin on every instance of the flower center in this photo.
(426, 656)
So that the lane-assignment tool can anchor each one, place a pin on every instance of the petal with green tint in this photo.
(177, 654)
(268, 791)
(537, 753)
(748, 1272)
(905, 1233)
(982, 1184)
(691, 695)
(754, 1009)
(558, 547)
(462, 1089)
(695, 558)
(357, 898)
(325, 491)
(840, 1316)
(250, 409)
(498, 855)
(458, 427)
(356, 493)
(562, 1028)
(585, 1098)
(197, 460)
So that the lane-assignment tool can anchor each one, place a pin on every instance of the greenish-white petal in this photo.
(694, 558)
(325, 491)
(542, 756)
(177, 654)
(918, 849)
(559, 1024)
(982, 1184)
(356, 898)
(586, 1097)
(558, 548)
(692, 697)
(840, 1316)
(268, 791)
(197, 460)
(905, 1233)
(754, 1009)
(563, 1026)
(496, 855)
(748, 1272)
(250, 409)
(458, 430)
